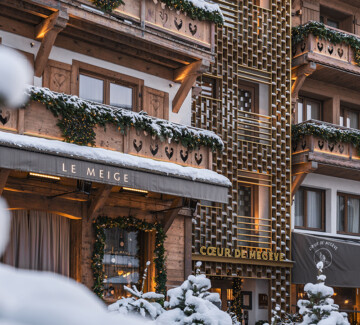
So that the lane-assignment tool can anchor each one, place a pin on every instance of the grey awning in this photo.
(340, 258)
(31, 154)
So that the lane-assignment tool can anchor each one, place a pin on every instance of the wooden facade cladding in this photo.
(40, 122)
(253, 46)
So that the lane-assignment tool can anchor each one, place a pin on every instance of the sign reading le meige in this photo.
(242, 253)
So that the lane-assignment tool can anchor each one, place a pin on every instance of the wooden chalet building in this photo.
(103, 163)
(245, 243)
(325, 150)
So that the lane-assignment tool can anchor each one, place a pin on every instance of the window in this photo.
(330, 22)
(348, 214)
(309, 109)
(309, 209)
(337, 19)
(121, 263)
(349, 118)
(248, 95)
(107, 87)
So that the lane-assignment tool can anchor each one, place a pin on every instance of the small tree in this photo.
(320, 308)
(191, 303)
(144, 304)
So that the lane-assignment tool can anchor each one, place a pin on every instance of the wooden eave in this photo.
(92, 33)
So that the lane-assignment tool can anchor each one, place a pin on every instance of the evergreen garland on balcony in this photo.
(185, 6)
(78, 118)
(327, 133)
(130, 224)
(318, 29)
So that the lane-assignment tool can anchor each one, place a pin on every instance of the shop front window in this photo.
(348, 218)
(121, 263)
(309, 209)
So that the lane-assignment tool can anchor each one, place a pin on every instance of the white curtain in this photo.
(314, 209)
(353, 215)
(39, 241)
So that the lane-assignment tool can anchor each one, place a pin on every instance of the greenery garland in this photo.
(78, 118)
(318, 29)
(236, 306)
(327, 133)
(108, 5)
(131, 224)
(185, 6)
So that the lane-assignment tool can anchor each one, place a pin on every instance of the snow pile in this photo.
(207, 6)
(191, 303)
(16, 73)
(320, 308)
(4, 225)
(109, 157)
(144, 304)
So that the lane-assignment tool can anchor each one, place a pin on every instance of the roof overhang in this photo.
(31, 154)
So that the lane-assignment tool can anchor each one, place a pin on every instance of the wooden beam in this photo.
(187, 246)
(300, 171)
(4, 174)
(187, 76)
(98, 201)
(48, 30)
(172, 213)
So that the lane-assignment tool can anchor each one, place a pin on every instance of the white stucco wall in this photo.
(66, 56)
(331, 185)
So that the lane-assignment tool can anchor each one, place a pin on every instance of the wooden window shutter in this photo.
(156, 103)
(311, 11)
(57, 77)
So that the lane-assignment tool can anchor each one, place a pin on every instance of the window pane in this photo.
(314, 208)
(299, 208)
(333, 23)
(313, 111)
(244, 201)
(245, 99)
(340, 213)
(121, 264)
(342, 112)
(121, 96)
(91, 89)
(353, 119)
(300, 112)
(353, 215)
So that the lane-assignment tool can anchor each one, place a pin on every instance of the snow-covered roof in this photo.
(110, 157)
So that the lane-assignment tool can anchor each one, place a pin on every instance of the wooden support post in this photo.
(4, 174)
(172, 213)
(47, 31)
(98, 201)
(300, 171)
(187, 246)
(187, 76)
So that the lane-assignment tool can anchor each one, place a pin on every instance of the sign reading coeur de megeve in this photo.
(242, 254)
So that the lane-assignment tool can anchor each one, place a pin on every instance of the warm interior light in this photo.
(134, 190)
(346, 301)
(45, 176)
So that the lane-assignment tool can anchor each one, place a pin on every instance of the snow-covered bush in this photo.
(320, 308)
(144, 304)
(191, 303)
(16, 73)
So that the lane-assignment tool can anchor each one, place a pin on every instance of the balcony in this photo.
(114, 129)
(332, 50)
(326, 149)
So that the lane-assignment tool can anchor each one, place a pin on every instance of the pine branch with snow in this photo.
(320, 308)
(192, 303)
(147, 305)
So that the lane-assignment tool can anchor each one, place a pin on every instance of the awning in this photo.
(32, 154)
(340, 257)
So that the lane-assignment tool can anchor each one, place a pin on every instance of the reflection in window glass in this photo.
(353, 213)
(314, 209)
(121, 263)
(91, 89)
(341, 213)
(121, 96)
(352, 119)
(300, 112)
(299, 208)
(313, 110)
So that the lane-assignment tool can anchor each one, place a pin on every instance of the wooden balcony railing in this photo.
(317, 148)
(36, 120)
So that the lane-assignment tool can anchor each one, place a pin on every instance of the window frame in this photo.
(345, 111)
(108, 77)
(253, 88)
(305, 101)
(346, 196)
(322, 192)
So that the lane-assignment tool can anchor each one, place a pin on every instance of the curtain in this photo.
(39, 241)
(314, 209)
(353, 215)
